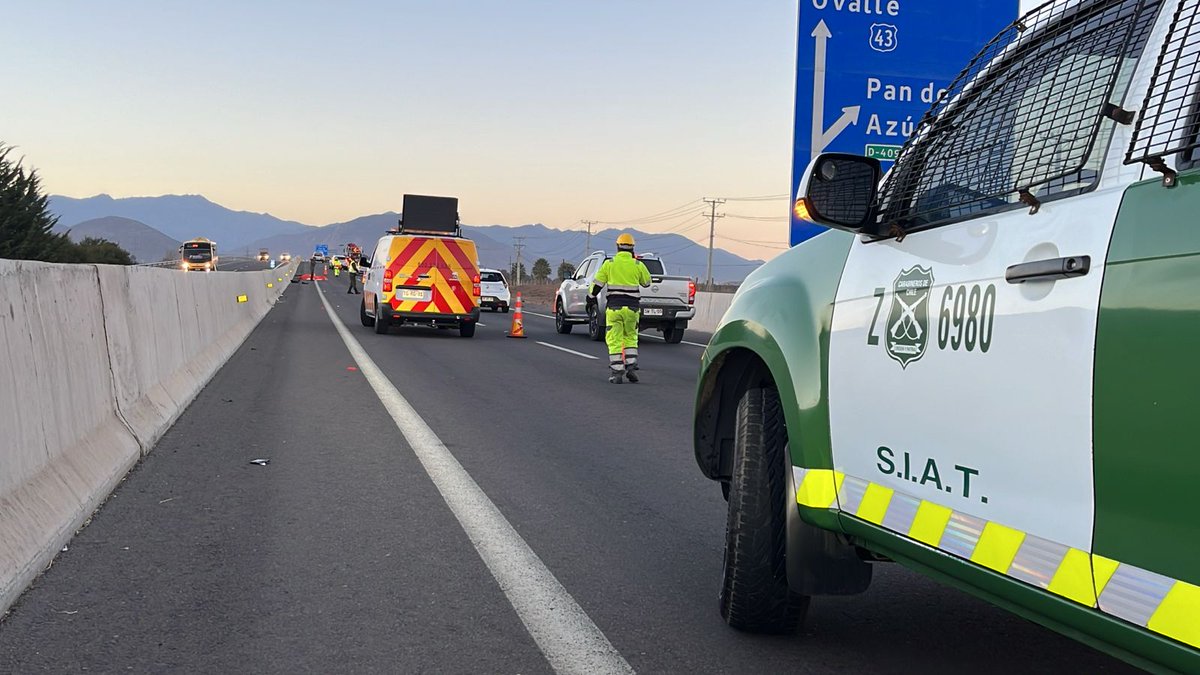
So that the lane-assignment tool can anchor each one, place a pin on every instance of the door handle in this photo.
(1054, 268)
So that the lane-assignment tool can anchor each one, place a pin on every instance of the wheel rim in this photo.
(558, 317)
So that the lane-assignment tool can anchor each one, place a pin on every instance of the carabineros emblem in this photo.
(908, 322)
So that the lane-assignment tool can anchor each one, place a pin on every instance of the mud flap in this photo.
(819, 562)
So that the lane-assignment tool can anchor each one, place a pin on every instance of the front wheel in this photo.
(754, 589)
(595, 323)
(560, 320)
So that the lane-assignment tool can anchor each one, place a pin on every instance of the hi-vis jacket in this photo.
(624, 276)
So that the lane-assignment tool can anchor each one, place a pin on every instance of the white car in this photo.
(494, 288)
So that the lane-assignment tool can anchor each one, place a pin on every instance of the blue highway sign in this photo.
(867, 70)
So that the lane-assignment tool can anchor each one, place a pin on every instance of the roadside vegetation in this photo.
(26, 224)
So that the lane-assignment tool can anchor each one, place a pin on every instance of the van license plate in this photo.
(488, 298)
(413, 295)
(652, 312)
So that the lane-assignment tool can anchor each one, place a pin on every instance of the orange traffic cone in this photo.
(518, 322)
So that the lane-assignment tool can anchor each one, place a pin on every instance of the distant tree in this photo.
(566, 270)
(541, 270)
(25, 219)
(517, 278)
(102, 251)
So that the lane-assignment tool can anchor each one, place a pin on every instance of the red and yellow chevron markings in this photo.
(450, 270)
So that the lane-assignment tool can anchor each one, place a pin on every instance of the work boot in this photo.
(631, 375)
(615, 378)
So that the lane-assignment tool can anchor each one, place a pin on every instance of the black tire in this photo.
(672, 334)
(560, 320)
(466, 329)
(382, 320)
(505, 309)
(754, 591)
(596, 325)
(362, 315)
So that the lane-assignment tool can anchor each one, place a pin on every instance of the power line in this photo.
(518, 243)
(587, 246)
(760, 198)
(656, 217)
(739, 216)
(712, 226)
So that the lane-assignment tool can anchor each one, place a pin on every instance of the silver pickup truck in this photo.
(666, 305)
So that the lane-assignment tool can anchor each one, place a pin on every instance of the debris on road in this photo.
(260, 462)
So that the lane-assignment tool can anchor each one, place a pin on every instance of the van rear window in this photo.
(491, 276)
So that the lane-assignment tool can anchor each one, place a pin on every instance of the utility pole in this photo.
(587, 246)
(518, 243)
(712, 226)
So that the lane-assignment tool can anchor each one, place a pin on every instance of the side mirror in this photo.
(838, 190)
(364, 261)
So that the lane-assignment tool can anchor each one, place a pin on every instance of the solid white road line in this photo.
(656, 337)
(569, 351)
(566, 635)
(682, 342)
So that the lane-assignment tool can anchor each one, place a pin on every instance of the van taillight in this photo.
(691, 292)
(387, 281)
(475, 286)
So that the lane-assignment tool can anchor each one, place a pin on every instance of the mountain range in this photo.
(182, 217)
(143, 242)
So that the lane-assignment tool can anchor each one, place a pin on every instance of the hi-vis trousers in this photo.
(622, 338)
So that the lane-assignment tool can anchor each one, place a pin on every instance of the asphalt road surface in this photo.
(343, 554)
(238, 264)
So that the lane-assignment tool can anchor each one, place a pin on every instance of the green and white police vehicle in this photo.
(987, 369)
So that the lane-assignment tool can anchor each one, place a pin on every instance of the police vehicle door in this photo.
(961, 355)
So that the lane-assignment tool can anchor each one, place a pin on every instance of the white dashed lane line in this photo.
(682, 342)
(649, 335)
(569, 351)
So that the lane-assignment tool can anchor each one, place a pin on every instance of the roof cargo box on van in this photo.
(429, 215)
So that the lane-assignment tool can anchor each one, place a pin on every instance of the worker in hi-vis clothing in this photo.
(623, 277)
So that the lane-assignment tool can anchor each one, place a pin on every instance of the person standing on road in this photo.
(624, 276)
(352, 269)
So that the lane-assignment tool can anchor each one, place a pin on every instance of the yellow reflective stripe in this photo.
(875, 502)
(930, 522)
(997, 547)
(1178, 616)
(1103, 569)
(1167, 606)
(818, 490)
(1073, 580)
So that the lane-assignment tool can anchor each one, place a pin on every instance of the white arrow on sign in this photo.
(821, 138)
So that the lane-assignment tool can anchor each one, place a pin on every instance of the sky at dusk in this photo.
(549, 111)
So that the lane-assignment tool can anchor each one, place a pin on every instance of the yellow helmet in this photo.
(625, 239)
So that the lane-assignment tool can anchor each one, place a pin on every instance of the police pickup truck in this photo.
(986, 369)
(666, 305)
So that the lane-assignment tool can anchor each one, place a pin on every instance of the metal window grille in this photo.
(1170, 117)
(1022, 118)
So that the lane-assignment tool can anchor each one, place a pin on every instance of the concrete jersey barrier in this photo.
(98, 362)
